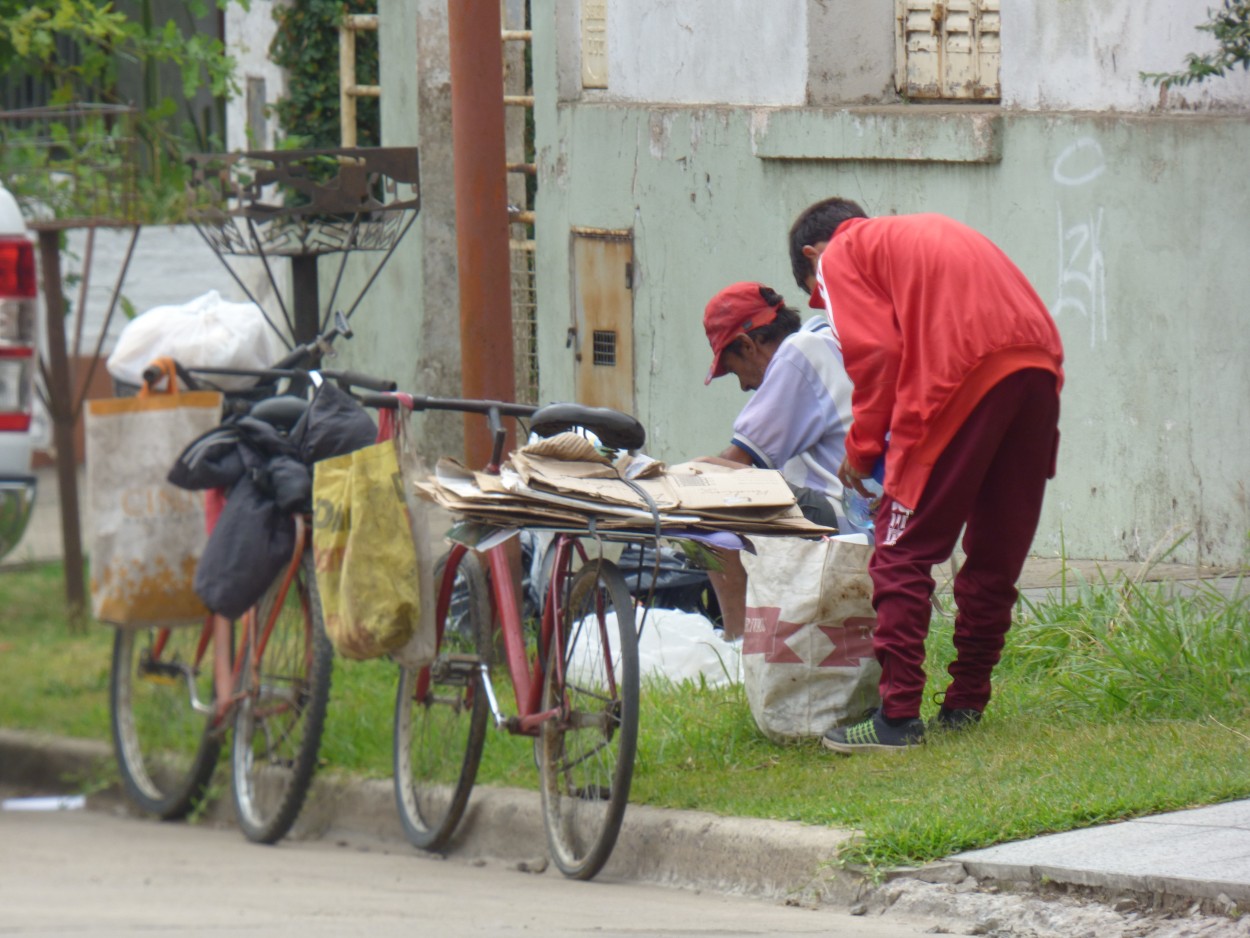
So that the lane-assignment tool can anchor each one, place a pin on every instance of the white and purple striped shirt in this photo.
(798, 418)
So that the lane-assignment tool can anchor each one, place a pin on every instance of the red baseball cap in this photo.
(734, 311)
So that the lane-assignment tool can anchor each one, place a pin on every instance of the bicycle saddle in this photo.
(282, 411)
(613, 427)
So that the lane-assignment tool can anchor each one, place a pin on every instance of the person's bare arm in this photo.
(732, 456)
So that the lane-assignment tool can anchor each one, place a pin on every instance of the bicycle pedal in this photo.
(162, 673)
(455, 668)
(593, 793)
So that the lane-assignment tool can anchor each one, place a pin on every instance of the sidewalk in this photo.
(1197, 857)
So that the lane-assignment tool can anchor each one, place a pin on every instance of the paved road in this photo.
(93, 873)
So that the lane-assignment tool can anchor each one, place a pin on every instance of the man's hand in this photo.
(853, 478)
(732, 456)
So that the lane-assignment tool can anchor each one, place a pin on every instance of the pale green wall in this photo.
(1132, 228)
(1146, 263)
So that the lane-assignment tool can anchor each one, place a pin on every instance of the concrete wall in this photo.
(1125, 209)
(249, 33)
(1126, 223)
(1065, 55)
(408, 325)
(1056, 54)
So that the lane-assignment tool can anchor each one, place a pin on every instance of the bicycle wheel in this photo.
(441, 713)
(165, 750)
(586, 757)
(281, 713)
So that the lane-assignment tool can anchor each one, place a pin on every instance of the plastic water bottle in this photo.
(861, 511)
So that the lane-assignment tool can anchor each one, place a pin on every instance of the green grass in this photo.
(1114, 700)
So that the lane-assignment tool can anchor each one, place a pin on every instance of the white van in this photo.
(18, 361)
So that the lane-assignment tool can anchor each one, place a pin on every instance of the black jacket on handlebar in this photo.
(268, 475)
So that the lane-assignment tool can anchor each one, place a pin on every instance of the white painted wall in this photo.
(1062, 55)
(1088, 56)
(171, 265)
(722, 51)
(248, 36)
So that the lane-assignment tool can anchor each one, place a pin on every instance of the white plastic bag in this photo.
(683, 646)
(675, 646)
(807, 657)
(147, 534)
(207, 332)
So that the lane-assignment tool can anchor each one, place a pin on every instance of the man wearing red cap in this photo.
(796, 421)
(957, 361)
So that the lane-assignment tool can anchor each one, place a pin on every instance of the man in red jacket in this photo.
(956, 364)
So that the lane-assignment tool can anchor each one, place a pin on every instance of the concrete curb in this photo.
(690, 849)
(782, 861)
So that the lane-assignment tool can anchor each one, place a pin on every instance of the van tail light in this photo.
(18, 289)
(17, 375)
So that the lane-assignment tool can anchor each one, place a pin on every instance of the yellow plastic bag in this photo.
(365, 557)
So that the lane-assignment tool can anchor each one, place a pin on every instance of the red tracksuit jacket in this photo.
(930, 314)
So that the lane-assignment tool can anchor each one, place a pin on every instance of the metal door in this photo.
(602, 333)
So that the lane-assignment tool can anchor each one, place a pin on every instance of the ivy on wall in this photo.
(307, 46)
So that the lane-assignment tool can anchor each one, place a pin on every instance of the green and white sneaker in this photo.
(874, 735)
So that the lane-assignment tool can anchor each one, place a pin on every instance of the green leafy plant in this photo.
(93, 154)
(307, 46)
(1230, 25)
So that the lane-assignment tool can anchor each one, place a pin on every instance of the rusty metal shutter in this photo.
(948, 49)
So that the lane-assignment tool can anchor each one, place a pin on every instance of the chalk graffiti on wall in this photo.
(1082, 276)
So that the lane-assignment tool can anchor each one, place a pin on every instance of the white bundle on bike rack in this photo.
(206, 332)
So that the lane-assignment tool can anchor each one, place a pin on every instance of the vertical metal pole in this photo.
(305, 298)
(477, 134)
(60, 399)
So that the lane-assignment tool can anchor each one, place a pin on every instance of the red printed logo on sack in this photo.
(852, 642)
(765, 633)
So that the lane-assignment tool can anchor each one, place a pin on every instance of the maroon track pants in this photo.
(991, 478)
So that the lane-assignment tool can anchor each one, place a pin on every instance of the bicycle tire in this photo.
(282, 708)
(441, 715)
(165, 748)
(586, 756)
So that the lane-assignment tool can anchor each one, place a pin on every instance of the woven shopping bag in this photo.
(807, 658)
(364, 552)
(146, 534)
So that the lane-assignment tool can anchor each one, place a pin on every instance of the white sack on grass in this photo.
(206, 332)
(679, 646)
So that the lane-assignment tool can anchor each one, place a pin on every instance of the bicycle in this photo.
(576, 684)
(174, 692)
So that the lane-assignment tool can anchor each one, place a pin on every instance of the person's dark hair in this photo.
(786, 323)
(817, 223)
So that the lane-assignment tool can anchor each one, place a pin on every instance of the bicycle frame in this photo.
(525, 671)
(218, 630)
(575, 683)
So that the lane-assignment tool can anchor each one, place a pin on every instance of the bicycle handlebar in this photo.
(348, 379)
(312, 352)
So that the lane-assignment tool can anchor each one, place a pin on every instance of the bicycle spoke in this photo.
(160, 700)
(587, 751)
(282, 709)
(441, 712)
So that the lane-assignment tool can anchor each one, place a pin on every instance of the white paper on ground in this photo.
(45, 803)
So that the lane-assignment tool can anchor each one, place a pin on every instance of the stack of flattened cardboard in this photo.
(564, 481)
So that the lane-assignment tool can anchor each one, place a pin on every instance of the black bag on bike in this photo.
(252, 542)
(334, 425)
